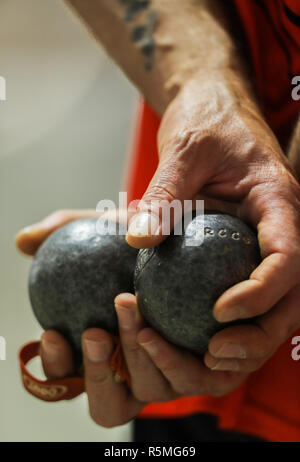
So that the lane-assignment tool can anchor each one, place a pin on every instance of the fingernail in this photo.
(51, 350)
(231, 350)
(144, 224)
(150, 347)
(96, 351)
(126, 317)
(226, 365)
(231, 314)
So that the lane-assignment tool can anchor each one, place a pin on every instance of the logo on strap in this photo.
(46, 392)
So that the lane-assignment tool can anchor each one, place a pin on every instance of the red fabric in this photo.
(293, 5)
(145, 157)
(268, 403)
(274, 44)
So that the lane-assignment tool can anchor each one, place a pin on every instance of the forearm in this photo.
(159, 44)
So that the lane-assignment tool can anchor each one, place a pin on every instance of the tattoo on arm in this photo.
(142, 34)
(134, 7)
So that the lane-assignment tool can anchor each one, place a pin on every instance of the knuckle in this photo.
(97, 377)
(161, 194)
(160, 191)
(131, 347)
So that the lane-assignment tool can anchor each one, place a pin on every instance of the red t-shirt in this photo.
(268, 403)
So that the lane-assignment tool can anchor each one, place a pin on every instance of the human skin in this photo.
(213, 142)
(187, 36)
(294, 150)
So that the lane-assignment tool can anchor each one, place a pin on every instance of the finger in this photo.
(56, 355)
(233, 365)
(110, 403)
(147, 382)
(175, 181)
(258, 341)
(267, 284)
(30, 238)
(278, 235)
(187, 373)
(283, 320)
(241, 342)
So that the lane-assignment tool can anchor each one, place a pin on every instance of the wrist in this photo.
(219, 91)
(208, 46)
(228, 80)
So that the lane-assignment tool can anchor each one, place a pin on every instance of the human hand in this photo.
(158, 370)
(214, 143)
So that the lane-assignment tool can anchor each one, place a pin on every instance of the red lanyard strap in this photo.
(65, 388)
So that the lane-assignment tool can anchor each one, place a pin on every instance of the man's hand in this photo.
(158, 370)
(214, 142)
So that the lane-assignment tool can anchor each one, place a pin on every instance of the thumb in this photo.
(172, 188)
(30, 238)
